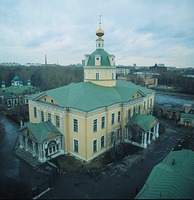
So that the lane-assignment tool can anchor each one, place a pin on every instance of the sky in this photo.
(141, 32)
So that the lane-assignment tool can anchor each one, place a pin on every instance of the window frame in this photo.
(95, 125)
(113, 119)
(76, 145)
(35, 112)
(49, 117)
(118, 134)
(75, 125)
(42, 115)
(97, 76)
(102, 142)
(102, 122)
(119, 116)
(57, 121)
(111, 137)
(95, 145)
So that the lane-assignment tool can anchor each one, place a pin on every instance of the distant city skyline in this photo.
(136, 31)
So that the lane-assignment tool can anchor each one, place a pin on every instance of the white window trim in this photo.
(101, 142)
(96, 145)
(74, 145)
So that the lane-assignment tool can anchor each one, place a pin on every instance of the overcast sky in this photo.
(144, 32)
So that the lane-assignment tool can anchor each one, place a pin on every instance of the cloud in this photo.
(136, 31)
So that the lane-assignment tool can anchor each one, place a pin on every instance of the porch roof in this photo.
(41, 130)
(145, 122)
(187, 116)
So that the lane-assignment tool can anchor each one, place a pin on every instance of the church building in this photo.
(16, 94)
(91, 115)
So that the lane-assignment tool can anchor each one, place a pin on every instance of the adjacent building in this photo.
(173, 178)
(159, 68)
(145, 79)
(92, 115)
(16, 94)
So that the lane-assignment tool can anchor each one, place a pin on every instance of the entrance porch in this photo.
(141, 130)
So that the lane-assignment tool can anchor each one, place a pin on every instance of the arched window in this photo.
(52, 147)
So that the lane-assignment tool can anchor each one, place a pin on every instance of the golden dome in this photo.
(100, 32)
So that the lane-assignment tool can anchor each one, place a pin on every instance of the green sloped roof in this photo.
(104, 58)
(145, 122)
(168, 181)
(41, 130)
(187, 116)
(18, 89)
(87, 96)
(16, 78)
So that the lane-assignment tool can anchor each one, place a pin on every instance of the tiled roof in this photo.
(41, 130)
(87, 96)
(145, 122)
(171, 181)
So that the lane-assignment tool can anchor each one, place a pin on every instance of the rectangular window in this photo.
(103, 122)
(133, 110)
(129, 113)
(75, 145)
(112, 137)
(139, 109)
(97, 76)
(150, 102)
(75, 125)
(144, 105)
(94, 146)
(42, 116)
(118, 134)
(113, 118)
(102, 142)
(57, 121)
(119, 116)
(35, 112)
(113, 77)
(95, 125)
(49, 117)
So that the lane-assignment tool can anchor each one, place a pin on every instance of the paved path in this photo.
(12, 167)
(119, 180)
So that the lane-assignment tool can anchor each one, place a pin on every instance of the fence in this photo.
(44, 187)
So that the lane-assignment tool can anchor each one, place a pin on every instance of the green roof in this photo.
(18, 89)
(16, 78)
(187, 116)
(87, 96)
(145, 122)
(104, 58)
(171, 181)
(41, 130)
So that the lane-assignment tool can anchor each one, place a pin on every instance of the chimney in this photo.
(45, 60)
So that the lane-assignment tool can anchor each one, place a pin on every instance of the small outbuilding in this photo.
(173, 178)
(39, 142)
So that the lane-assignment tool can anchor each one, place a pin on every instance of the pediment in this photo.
(50, 136)
(47, 99)
(153, 123)
(137, 95)
(28, 133)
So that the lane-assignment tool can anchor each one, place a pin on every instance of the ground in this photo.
(69, 163)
